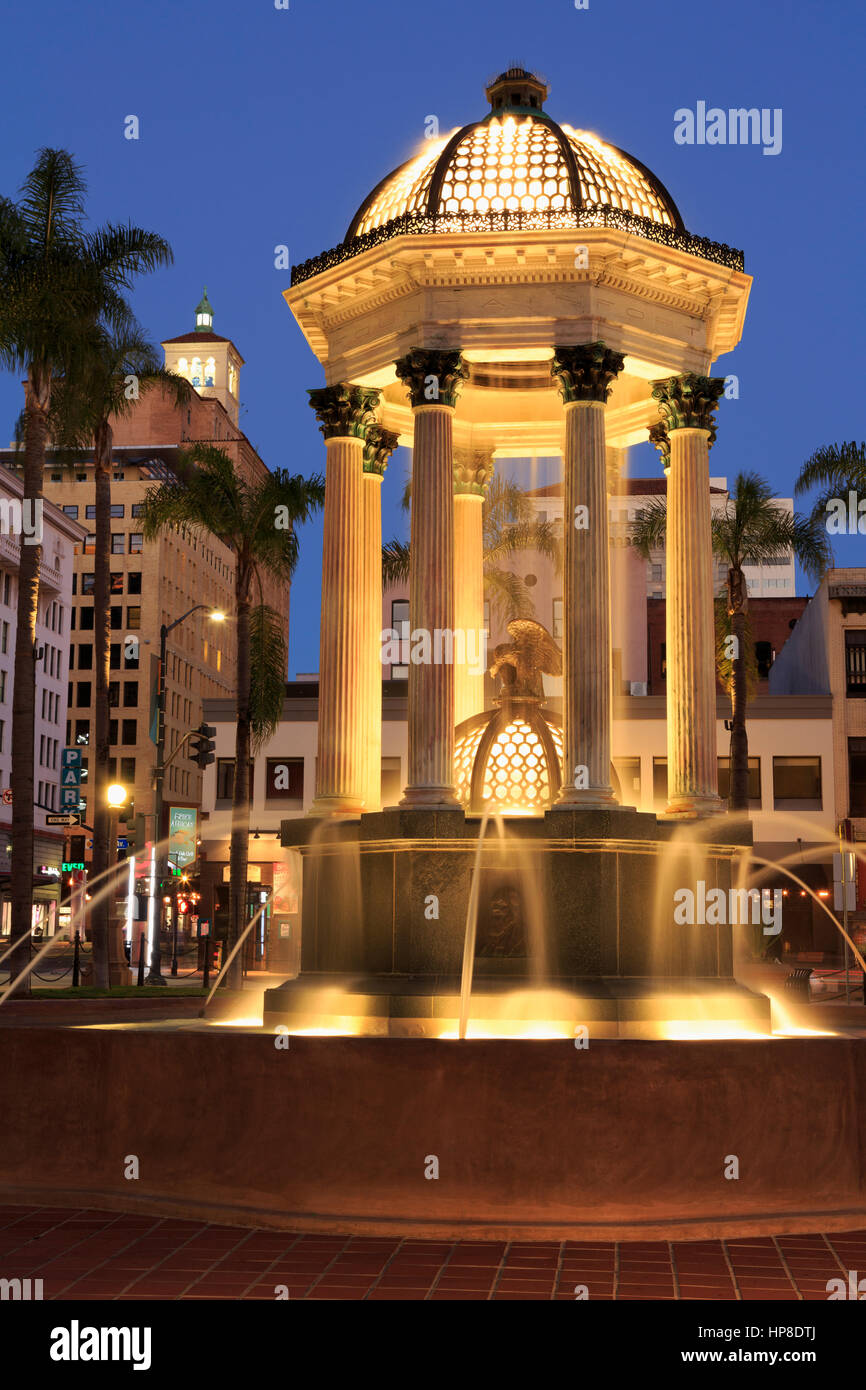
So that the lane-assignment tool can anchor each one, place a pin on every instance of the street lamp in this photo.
(116, 796)
(215, 615)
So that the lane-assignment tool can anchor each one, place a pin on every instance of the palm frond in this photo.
(395, 563)
(508, 595)
(649, 528)
(835, 467)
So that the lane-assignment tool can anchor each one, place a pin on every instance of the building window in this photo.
(118, 543)
(136, 542)
(4, 637)
(130, 657)
(71, 510)
(763, 658)
(116, 617)
(754, 781)
(83, 695)
(118, 510)
(133, 618)
(133, 582)
(112, 732)
(857, 777)
(82, 732)
(797, 784)
(90, 545)
(90, 512)
(130, 694)
(127, 772)
(113, 694)
(284, 779)
(225, 768)
(116, 582)
(85, 619)
(85, 656)
(129, 731)
(137, 509)
(400, 624)
(628, 772)
(557, 619)
(660, 783)
(87, 581)
(855, 661)
(3, 686)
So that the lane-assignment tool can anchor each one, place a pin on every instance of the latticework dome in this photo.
(517, 769)
(517, 160)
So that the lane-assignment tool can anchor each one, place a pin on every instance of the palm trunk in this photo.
(239, 852)
(36, 402)
(739, 794)
(103, 851)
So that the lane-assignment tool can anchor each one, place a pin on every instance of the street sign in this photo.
(845, 875)
(70, 777)
(70, 757)
(67, 818)
(123, 844)
(7, 796)
(70, 797)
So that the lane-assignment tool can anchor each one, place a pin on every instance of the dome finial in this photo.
(517, 89)
(203, 314)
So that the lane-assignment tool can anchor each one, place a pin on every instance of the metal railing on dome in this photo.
(589, 216)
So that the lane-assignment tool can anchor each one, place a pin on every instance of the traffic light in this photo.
(139, 834)
(201, 749)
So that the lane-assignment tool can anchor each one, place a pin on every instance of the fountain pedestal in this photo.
(385, 902)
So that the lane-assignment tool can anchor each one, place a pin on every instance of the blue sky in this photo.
(261, 126)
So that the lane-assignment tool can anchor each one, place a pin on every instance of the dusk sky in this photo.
(261, 126)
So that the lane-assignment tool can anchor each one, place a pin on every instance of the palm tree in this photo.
(749, 529)
(56, 281)
(118, 368)
(258, 521)
(837, 469)
(508, 526)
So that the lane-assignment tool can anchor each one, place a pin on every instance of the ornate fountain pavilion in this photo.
(518, 288)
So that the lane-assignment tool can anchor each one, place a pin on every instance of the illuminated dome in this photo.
(516, 160)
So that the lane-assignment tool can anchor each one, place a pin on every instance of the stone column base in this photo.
(325, 806)
(694, 808)
(586, 798)
(429, 798)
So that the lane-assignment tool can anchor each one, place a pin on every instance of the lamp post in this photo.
(217, 616)
(116, 796)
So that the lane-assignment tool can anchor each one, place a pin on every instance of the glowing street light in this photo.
(116, 794)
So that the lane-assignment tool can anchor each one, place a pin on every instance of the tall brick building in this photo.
(155, 582)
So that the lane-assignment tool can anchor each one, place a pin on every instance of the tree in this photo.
(116, 370)
(509, 526)
(56, 280)
(837, 469)
(749, 529)
(259, 522)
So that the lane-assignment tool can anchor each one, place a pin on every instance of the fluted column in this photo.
(344, 413)
(686, 405)
(472, 473)
(585, 375)
(433, 379)
(379, 446)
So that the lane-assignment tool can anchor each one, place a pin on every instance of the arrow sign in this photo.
(70, 819)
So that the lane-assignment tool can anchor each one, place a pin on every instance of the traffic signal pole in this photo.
(155, 977)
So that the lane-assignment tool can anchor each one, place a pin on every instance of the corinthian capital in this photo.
(658, 435)
(473, 469)
(433, 377)
(586, 372)
(688, 402)
(344, 411)
(378, 448)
